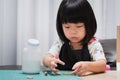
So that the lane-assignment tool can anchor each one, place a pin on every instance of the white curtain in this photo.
(8, 33)
(107, 15)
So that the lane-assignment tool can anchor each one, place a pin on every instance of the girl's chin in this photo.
(74, 41)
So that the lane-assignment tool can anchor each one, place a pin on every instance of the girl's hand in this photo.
(80, 68)
(54, 62)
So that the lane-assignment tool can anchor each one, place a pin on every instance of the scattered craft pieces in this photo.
(29, 77)
(46, 73)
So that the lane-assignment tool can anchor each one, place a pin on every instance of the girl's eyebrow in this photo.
(65, 24)
(79, 24)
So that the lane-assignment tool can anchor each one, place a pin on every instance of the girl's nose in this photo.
(73, 31)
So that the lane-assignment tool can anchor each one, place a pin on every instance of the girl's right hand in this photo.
(54, 62)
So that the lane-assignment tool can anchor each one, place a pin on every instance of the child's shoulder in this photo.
(94, 44)
(93, 41)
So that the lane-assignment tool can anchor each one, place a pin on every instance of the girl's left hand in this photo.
(80, 68)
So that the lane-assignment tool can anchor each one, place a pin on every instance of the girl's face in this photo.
(75, 32)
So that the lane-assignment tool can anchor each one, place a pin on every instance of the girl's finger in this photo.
(80, 73)
(54, 70)
(60, 62)
(53, 64)
(75, 71)
(76, 66)
(52, 67)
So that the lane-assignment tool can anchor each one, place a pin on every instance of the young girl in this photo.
(77, 50)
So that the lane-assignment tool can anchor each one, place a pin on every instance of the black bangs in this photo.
(72, 18)
(72, 12)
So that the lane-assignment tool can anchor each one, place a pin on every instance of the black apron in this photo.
(70, 57)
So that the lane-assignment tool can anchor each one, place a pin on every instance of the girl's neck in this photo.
(76, 46)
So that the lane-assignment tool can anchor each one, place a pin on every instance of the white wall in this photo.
(53, 13)
(8, 29)
(1, 24)
(107, 13)
(117, 12)
(110, 20)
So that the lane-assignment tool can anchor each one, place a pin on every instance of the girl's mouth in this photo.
(74, 38)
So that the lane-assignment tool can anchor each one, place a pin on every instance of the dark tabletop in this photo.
(10, 67)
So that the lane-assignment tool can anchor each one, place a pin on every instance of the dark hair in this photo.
(75, 11)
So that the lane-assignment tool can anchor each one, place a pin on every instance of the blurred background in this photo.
(24, 19)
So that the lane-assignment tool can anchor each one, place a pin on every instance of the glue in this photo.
(31, 57)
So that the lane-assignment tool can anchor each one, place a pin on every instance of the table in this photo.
(108, 75)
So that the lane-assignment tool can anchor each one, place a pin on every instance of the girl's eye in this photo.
(66, 26)
(79, 26)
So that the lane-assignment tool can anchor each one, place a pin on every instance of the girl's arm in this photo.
(97, 66)
(51, 61)
(53, 52)
(84, 67)
(98, 57)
